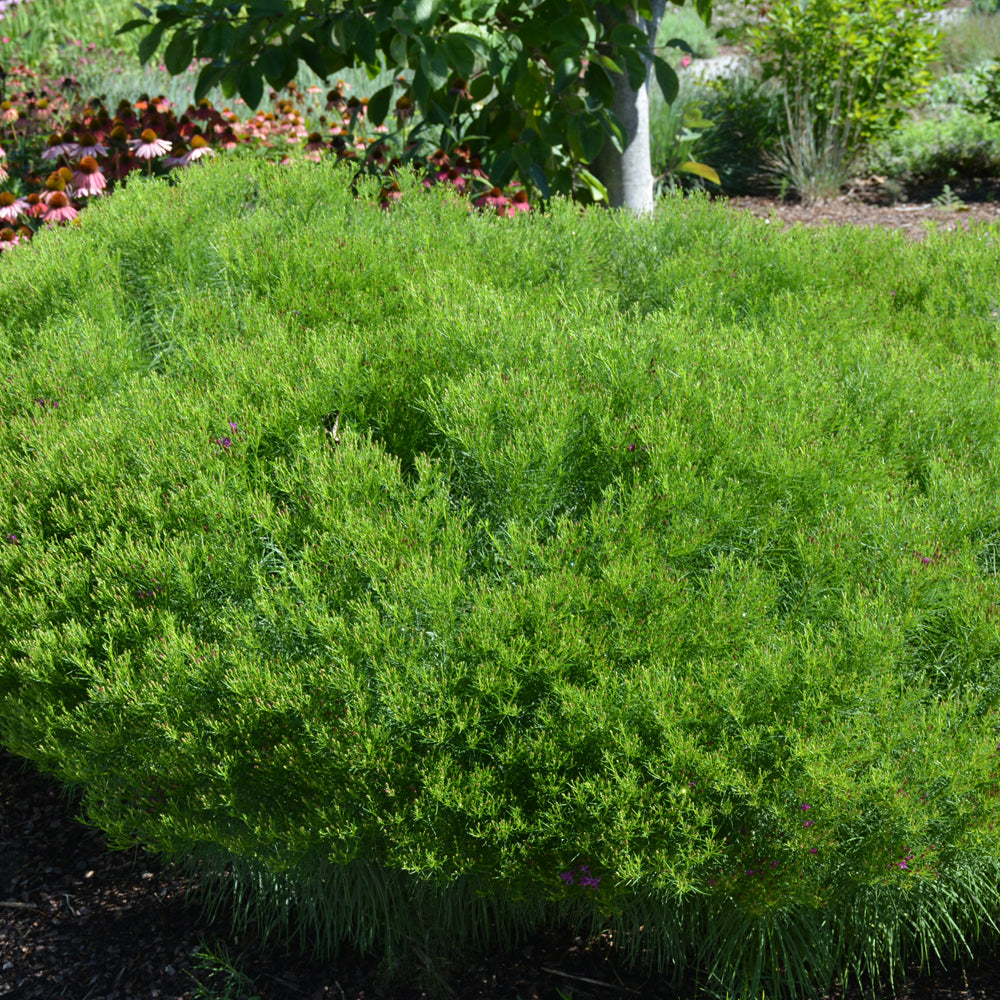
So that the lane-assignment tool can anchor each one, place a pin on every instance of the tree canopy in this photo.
(529, 84)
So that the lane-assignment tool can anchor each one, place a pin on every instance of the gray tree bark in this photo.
(628, 176)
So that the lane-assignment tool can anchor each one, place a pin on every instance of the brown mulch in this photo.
(868, 203)
(82, 923)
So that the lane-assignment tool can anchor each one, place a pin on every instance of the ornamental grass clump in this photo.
(422, 578)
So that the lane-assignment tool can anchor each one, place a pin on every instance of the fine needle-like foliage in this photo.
(423, 577)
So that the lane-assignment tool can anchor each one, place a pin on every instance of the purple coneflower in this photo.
(199, 148)
(59, 145)
(36, 206)
(8, 238)
(89, 146)
(148, 145)
(60, 210)
(56, 182)
(11, 206)
(88, 179)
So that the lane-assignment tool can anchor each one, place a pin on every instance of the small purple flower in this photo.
(902, 865)
(631, 446)
(567, 877)
(12, 540)
(589, 882)
(814, 850)
(233, 427)
(808, 822)
(805, 805)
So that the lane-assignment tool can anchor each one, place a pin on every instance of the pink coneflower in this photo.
(88, 179)
(53, 183)
(314, 143)
(519, 203)
(11, 206)
(59, 145)
(494, 199)
(148, 145)
(8, 238)
(36, 207)
(180, 150)
(87, 145)
(8, 113)
(199, 148)
(60, 210)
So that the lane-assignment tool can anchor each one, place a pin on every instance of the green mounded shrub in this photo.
(957, 146)
(747, 122)
(427, 570)
(864, 62)
(849, 71)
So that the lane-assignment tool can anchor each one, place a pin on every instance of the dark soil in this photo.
(82, 923)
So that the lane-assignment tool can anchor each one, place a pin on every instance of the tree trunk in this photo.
(628, 175)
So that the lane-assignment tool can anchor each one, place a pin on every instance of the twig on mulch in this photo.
(13, 904)
(584, 979)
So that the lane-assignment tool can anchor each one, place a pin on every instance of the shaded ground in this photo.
(80, 923)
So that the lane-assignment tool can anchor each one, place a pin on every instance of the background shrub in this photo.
(849, 72)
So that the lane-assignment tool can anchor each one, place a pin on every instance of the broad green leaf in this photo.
(598, 85)
(137, 22)
(481, 87)
(608, 63)
(597, 190)
(425, 12)
(530, 89)
(702, 170)
(569, 29)
(383, 17)
(365, 41)
(275, 66)
(378, 105)
(216, 40)
(458, 53)
(537, 174)
(679, 43)
(312, 55)
(267, 8)
(145, 11)
(629, 35)
(433, 63)
(666, 78)
(399, 50)
(250, 84)
(635, 66)
(567, 72)
(150, 43)
(208, 78)
(421, 88)
(503, 168)
(592, 136)
(614, 129)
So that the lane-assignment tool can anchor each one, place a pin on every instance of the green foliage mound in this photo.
(426, 570)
